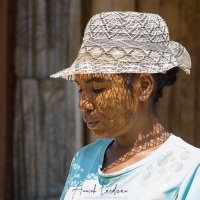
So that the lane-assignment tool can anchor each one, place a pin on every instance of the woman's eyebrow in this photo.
(95, 79)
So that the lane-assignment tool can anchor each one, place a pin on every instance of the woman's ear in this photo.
(146, 82)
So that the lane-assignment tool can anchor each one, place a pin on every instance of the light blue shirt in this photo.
(171, 170)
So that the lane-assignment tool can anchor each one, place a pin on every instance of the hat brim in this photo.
(113, 61)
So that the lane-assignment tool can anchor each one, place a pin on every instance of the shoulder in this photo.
(97, 145)
(93, 150)
(180, 143)
(87, 160)
(184, 149)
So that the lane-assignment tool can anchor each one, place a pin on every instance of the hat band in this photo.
(129, 44)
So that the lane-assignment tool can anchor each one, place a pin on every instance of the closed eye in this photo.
(93, 90)
(97, 91)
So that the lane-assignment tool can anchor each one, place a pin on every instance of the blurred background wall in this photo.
(40, 125)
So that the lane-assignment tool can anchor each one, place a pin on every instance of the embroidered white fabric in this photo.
(127, 42)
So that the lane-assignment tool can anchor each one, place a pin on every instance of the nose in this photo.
(85, 103)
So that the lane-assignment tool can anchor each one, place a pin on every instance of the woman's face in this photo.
(106, 104)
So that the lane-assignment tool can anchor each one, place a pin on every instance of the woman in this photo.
(125, 61)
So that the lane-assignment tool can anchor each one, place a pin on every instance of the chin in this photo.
(102, 134)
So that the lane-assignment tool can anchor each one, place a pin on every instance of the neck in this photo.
(145, 142)
(141, 132)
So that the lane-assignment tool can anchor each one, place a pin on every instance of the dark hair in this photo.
(161, 80)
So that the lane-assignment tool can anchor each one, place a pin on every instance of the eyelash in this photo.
(95, 91)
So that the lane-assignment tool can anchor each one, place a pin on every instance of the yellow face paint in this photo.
(106, 104)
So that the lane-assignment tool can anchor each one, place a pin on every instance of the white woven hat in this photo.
(127, 42)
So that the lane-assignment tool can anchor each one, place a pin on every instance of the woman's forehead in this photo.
(96, 77)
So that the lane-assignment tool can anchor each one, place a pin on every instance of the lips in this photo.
(91, 121)
(92, 124)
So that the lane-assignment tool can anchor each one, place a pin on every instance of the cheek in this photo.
(115, 107)
(110, 107)
(107, 102)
